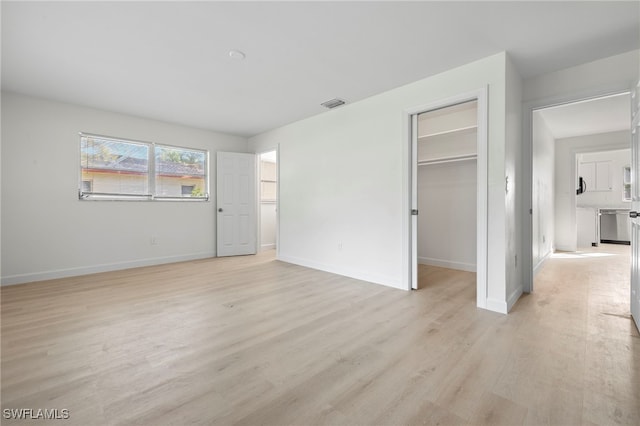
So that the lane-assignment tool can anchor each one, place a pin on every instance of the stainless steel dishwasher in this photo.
(615, 227)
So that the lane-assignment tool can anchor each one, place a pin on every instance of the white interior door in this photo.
(236, 203)
(635, 205)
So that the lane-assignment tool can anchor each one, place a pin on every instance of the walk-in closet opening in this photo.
(268, 221)
(447, 197)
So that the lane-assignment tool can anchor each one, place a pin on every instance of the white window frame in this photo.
(151, 174)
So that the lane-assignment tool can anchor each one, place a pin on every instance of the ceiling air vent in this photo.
(333, 103)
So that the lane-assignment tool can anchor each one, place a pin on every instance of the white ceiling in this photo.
(169, 60)
(601, 115)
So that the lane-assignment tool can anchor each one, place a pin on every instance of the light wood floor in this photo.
(251, 340)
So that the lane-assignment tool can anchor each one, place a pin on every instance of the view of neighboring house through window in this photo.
(180, 172)
(187, 190)
(123, 169)
(116, 167)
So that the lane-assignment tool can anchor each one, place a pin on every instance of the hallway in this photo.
(578, 324)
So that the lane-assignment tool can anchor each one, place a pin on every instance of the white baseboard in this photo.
(264, 247)
(388, 281)
(85, 270)
(537, 266)
(513, 298)
(496, 305)
(470, 267)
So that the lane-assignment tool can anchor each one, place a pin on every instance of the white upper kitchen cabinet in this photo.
(596, 174)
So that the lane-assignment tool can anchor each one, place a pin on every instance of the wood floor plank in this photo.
(251, 340)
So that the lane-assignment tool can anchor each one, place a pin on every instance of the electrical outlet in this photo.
(340, 246)
(153, 240)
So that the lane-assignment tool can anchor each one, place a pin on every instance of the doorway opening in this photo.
(268, 198)
(439, 140)
(446, 186)
(580, 172)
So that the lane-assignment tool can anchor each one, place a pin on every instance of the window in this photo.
(118, 169)
(178, 169)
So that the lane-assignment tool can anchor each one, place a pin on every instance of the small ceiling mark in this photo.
(333, 103)
(237, 55)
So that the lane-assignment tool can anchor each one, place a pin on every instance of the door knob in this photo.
(633, 215)
(220, 209)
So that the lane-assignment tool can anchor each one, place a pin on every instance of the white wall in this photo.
(48, 232)
(543, 190)
(601, 76)
(267, 225)
(446, 224)
(565, 182)
(1, 168)
(344, 180)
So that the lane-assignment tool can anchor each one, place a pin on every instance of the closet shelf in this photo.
(465, 129)
(450, 159)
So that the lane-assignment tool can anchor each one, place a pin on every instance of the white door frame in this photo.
(259, 193)
(410, 184)
(527, 162)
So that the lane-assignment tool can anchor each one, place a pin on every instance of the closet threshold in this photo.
(451, 159)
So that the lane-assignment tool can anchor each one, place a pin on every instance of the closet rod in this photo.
(448, 160)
